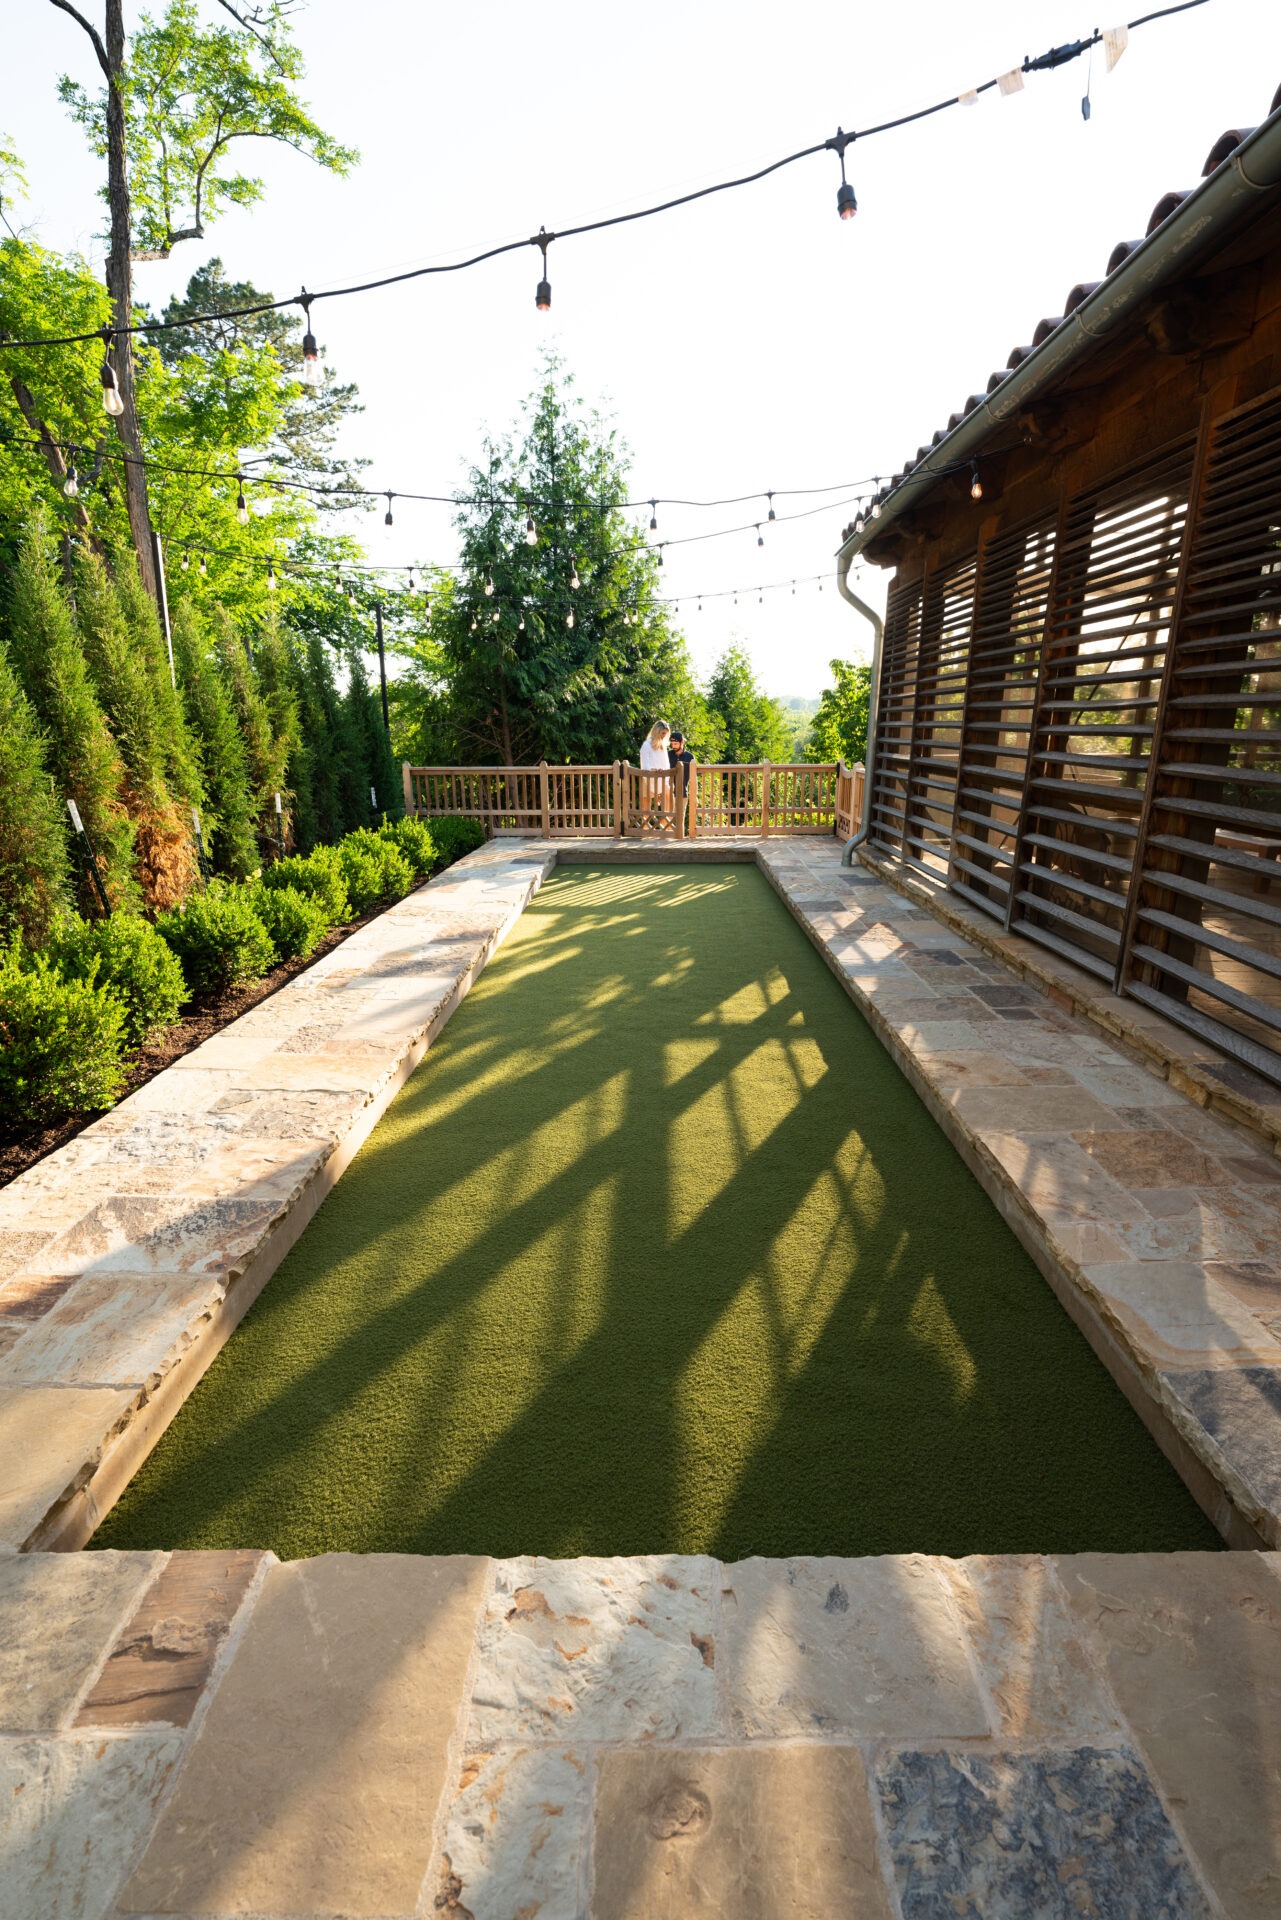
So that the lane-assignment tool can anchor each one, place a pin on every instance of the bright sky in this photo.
(754, 341)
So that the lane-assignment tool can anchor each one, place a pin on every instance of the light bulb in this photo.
(543, 297)
(846, 204)
(859, 523)
(976, 485)
(489, 583)
(242, 509)
(494, 617)
(204, 570)
(531, 532)
(660, 556)
(876, 509)
(521, 627)
(760, 538)
(760, 599)
(111, 401)
(186, 560)
(311, 367)
(653, 516)
(770, 515)
(413, 584)
(793, 589)
(271, 577)
(71, 485)
(700, 603)
(569, 620)
(574, 580)
(387, 519)
(473, 624)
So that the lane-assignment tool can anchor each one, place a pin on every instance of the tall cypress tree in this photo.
(183, 771)
(35, 879)
(229, 814)
(121, 660)
(83, 758)
(266, 756)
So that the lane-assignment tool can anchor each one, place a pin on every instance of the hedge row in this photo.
(73, 1011)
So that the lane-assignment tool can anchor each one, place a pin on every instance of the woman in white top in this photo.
(654, 754)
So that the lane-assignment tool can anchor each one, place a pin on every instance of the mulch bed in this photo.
(20, 1151)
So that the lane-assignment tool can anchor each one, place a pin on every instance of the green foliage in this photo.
(317, 874)
(83, 758)
(296, 922)
(454, 835)
(35, 879)
(228, 819)
(124, 956)
(191, 92)
(127, 660)
(839, 731)
(373, 869)
(754, 727)
(414, 839)
(60, 1042)
(539, 669)
(219, 940)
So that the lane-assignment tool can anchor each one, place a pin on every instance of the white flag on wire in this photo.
(1011, 82)
(1115, 42)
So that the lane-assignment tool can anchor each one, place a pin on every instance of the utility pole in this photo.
(382, 663)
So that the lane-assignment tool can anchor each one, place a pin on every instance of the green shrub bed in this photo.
(73, 1012)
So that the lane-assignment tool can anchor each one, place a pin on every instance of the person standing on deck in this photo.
(654, 756)
(679, 754)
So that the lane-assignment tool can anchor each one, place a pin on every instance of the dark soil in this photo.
(200, 1023)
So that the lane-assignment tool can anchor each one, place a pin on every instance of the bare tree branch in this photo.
(66, 7)
(250, 23)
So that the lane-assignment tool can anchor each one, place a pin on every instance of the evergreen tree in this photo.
(83, 758)
(124, 673)
(264, 757)
(277, 682)
(183, 771)
(228, 818)
(754, 727)
(35, 879)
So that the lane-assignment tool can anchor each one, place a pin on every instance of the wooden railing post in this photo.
(765, 773)
(543, 800)
(691, 825)
(620, 798)
(680, 799)
(406, 774)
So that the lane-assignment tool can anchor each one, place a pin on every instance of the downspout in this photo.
(869, 756)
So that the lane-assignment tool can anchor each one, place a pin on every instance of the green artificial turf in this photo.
(657, 1251)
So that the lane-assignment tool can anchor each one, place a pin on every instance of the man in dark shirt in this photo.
(679, 754)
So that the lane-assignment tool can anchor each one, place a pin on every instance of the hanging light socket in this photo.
(531, 531)
(976, 485)
(311, 368)
(242, 505)
(770, 515)
(271, 577)
(111, 401)
(846, 204)
(653, 516)
(543, 297)
(71, 485)
(387, 519)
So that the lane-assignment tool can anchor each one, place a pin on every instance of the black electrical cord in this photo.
(839, 141)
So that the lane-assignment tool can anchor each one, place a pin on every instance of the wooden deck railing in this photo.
(619, 800)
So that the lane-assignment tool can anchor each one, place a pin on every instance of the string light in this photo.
(489, 583)
(760, 537)
(311, 367)
(387, 519)
(574, 580)
(271, 577)
(186, 560)
(242, 506)
(521, 627)
(569, 618)
(876, 509)
(660, 556)
(653, 516)
(413, 584)
(531, 531)
(204, 569)
(111, 401)
(71, 485)
(543, 297)
(846, 204)
(770, 514)
(976, 485)
(494, 617)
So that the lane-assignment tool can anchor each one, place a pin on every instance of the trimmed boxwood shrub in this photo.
(296, 922)
(61, 1042)
(319, 875)
(125, 956)
(219, 940)
(412, 837)
(454, 836)
(373, 869)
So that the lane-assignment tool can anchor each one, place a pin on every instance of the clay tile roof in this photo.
(1017, 356)
(993, 382)
(1081, 291)
(1165, 206)
(1223, 146)
(1044, 328)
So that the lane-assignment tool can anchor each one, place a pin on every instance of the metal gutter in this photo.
(869, 755)
(1253, 168)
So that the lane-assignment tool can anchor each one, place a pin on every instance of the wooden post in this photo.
(543, 800)
(691, 826)
(382, 664)
(407, 777)
(680, 799)
(765, 773)
(620, 799)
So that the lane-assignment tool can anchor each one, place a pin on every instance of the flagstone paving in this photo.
(652, 1739)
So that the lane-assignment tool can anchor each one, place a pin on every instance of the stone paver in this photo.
(320, 1739)
(59, 1617)
(313, 1783)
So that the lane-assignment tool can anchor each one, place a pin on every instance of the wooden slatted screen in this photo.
(1005, 660)
(1207, 930)
(1115, 575)
(895, 711)
(936, 724)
